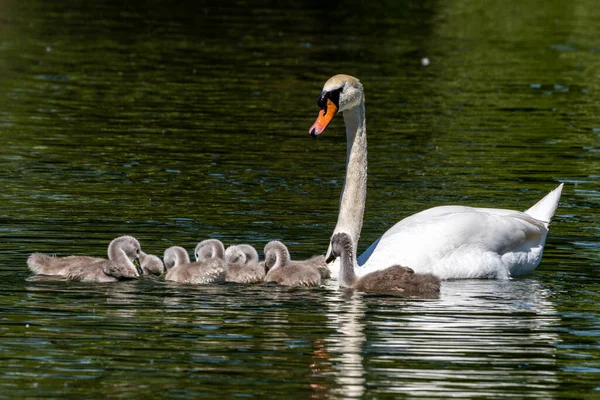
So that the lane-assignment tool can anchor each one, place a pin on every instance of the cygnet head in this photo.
(175, 255)
(341, 243)
(276, 255)
(340, 93)
(124, 244)
(241, 254)
(151, 265)
(209, 249)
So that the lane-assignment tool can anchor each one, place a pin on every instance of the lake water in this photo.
(175, 124)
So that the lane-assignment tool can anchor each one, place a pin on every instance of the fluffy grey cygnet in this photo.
(210, 268)
(395, 279)
(122, 251)
(286, 272)
(242, 264)
(209, 249)
(151, 264)
(174, 256)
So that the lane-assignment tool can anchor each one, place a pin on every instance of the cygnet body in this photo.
(395, 279)
(210, 268)
(122, 251)
(242, 264)
(286, 272)
(321, 265)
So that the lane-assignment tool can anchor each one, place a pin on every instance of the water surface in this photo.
(178, 124)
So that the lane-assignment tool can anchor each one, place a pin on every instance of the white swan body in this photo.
(455, 242)
(451, 242)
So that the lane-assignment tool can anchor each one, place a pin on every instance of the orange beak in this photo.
(325, 116)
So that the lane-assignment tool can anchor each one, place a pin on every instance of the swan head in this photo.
(340, 93)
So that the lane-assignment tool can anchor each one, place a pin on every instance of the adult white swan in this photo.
(452, 242)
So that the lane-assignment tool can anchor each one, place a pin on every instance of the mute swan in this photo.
(206, 270)
(242, 264)
(151, 265)
(122, 251)
(391, 279)
(286, 272)
(452, 242)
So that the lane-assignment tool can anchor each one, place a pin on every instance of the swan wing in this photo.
(460, 242)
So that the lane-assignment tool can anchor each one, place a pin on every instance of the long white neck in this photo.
(354, 193)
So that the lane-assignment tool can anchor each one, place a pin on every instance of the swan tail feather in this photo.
(544, 209)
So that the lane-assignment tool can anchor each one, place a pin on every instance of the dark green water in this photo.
(175, 124)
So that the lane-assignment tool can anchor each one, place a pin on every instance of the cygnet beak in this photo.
(330, 257)
(138, 267)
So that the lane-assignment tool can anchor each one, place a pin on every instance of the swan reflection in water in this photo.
(483, 336)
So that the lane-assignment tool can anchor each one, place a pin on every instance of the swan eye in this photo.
(333, 95)
(322, 101)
